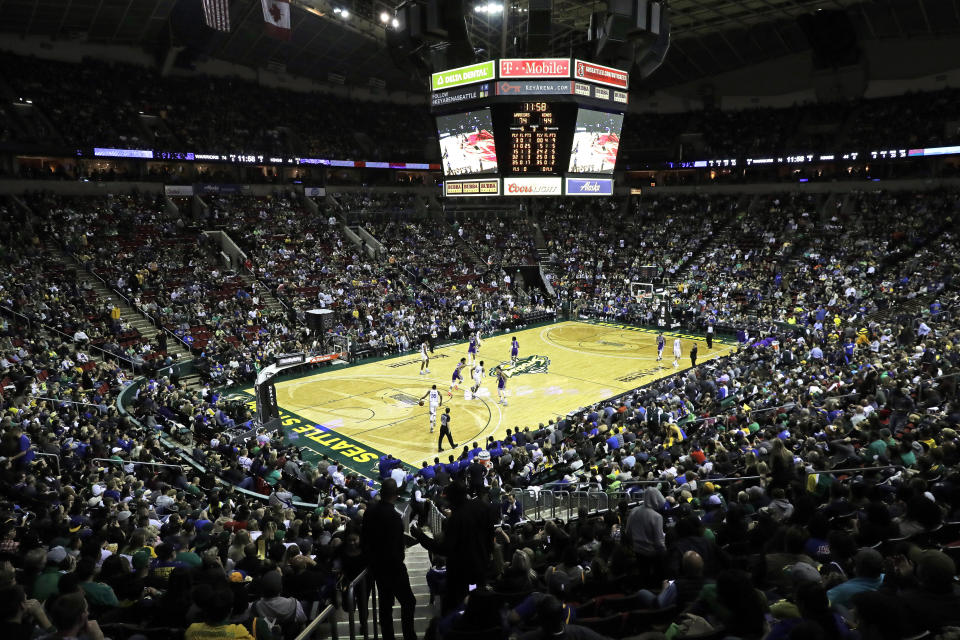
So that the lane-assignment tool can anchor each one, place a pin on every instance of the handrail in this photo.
(156, 323)
(9, 310)
(193, 463)
(859, 469)
(639, 483)
(153, 464)
(253, 494)
(327, 612)
(109, 354)
(86, 404)
(50, 455)
(351, 602)
(435, 518)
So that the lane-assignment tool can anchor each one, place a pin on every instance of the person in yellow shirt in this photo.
(674, 435)
(216, 603)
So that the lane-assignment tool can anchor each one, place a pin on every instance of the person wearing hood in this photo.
(644, 530)
(287, 612)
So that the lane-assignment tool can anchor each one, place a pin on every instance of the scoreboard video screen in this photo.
(596, 142)
(467, 143)
(530, 127)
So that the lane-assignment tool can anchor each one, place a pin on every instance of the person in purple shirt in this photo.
(24, 454)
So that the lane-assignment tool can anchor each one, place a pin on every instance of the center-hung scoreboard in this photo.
(529, 127)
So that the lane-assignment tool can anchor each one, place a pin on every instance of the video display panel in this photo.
(596, 142)
(467, 143)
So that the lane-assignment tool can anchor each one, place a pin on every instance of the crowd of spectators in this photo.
(918, 119)
(499, 239)
(134, 107)
(167, 268)
(803, 486)
(781, 258)
(600, 260)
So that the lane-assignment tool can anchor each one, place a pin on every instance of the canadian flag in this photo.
(276, 15)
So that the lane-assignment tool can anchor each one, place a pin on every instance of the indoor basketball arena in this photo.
(479, 319)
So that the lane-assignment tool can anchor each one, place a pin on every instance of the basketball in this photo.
(421, 403)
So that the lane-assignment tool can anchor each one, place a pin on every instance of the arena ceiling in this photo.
(708, 36)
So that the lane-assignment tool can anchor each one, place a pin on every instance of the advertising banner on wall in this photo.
(178, 190)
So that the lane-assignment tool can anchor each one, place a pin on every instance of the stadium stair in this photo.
(269, 301)
(136, 319)
(722, 233)
(467, 250)
(418, 563)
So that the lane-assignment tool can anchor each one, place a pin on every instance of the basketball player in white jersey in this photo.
(435, 400)
(424, 359)
(477, 378)
(677, 352)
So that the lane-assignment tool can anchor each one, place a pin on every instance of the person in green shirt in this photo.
(878, 447)
(46, 584)
(273, 477)
(97, 594)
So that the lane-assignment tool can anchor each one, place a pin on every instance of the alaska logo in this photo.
(530, 364)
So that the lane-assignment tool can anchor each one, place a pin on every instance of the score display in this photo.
(534, 136)
(534, 143)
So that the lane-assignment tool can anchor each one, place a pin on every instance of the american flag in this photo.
(216, 13)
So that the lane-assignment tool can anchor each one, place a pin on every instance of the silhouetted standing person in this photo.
(381, 536)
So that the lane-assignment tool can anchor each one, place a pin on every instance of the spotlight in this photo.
(395, 23)
(337, 10)
(344, 14)
(384, 17)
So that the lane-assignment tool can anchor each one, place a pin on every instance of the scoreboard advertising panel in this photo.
(472, 188)
(527, 120)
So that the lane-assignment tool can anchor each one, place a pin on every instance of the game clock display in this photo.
(534, 138)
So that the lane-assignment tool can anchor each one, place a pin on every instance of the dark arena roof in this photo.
(680, 279)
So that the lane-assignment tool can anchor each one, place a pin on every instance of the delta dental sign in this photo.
(470, 74)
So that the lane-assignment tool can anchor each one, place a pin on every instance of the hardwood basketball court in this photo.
(355, 414)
